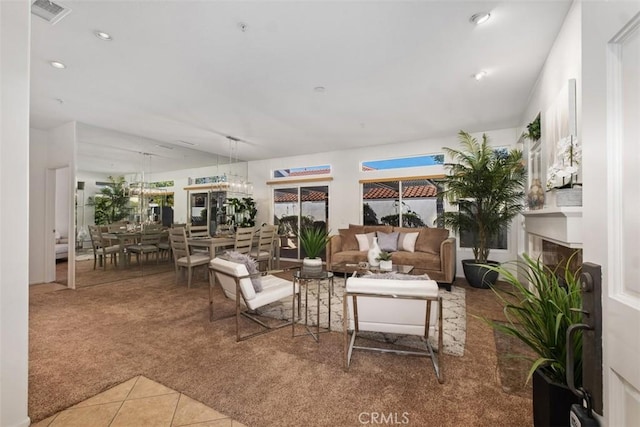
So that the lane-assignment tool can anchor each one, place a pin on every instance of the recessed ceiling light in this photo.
(57, 64)
(480, 18)
(319, 89)
(103, 36)
(480, 75)
(243, 27)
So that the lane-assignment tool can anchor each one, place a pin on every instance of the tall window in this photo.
(406, 203)
(297, 207)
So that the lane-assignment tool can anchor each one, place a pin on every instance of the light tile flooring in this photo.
(139, 402)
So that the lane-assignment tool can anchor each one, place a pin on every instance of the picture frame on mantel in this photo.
(559, 123)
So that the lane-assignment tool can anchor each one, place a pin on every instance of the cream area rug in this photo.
(454, 317)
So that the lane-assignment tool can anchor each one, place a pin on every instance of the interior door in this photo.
(621, 298)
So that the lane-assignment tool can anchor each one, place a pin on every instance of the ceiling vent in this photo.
(49, 11)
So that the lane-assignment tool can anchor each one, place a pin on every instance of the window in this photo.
(299, 207)
(406, 203)
(302, 172)
(403, 162)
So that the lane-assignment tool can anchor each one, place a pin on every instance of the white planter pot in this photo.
(312, 266)
(386, 265)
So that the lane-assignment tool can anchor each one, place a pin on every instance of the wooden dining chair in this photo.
(102, 248)
(182, 256)
(149, 241)
(264, 251)
(244, 240)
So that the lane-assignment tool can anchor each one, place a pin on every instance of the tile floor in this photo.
(139, 402)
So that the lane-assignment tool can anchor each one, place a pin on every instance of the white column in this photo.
(14, 209)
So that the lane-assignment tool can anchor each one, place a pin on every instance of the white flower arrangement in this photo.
(566, 163)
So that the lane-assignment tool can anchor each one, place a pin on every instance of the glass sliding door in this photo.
(297, 207)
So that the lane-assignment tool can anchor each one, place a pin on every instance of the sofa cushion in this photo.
(422, 260)
(407, 241)
(429, 239)
(376, 228)
(351, 257)
(349, 242)
(388, 242)
(250, 264)
(365, 241)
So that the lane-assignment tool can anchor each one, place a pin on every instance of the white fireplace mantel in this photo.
(561, 225)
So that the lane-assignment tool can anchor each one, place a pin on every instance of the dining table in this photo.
(217, 243)
(125, 239)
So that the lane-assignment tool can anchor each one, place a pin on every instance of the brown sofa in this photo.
(435, 251)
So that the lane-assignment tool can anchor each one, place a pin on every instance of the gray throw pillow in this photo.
(388, 242)
(249, 263)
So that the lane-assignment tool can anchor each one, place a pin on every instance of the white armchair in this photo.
(235, 279)
(410, 307)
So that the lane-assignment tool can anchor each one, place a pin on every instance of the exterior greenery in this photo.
(539, 314)
(313, 240)
(112, 203)
(486, 186)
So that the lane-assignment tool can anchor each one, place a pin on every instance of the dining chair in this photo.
(148, 244)
(264, 251)
(182, 256)
(244, 240)
(102, 247)
(198, 231)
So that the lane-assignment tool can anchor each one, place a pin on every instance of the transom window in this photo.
(403, 162)
(302, 171)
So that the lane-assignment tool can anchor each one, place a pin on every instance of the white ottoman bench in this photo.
(411, 307)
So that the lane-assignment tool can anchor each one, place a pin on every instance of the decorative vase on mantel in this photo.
(374, 252)
(535, 196)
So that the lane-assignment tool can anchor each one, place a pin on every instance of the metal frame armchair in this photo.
(235, 280)
(411, 307)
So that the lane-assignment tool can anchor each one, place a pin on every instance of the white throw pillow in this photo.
(407, 241)
(365, 241)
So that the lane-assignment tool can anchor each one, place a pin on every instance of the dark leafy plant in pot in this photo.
(313, 240)
(539, 310)
(486, 186)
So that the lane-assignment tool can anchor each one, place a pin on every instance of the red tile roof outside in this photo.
(310, 196)
(413, 191)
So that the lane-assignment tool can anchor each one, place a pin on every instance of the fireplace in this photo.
(555, 256)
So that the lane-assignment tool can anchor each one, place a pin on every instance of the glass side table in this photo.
(322, 280)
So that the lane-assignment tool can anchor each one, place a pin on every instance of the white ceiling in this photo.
(185, 71)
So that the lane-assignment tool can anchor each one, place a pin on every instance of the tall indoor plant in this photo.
(111, 204)
(539, 309)
(486, 186)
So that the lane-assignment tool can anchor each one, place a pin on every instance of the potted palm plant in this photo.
(539, 309)
(487, 188)
(313, 241)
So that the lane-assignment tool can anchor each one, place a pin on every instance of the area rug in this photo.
(454, 317)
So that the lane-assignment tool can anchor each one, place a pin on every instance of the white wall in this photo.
(345, 198)
(563, 63)
(14, 221)
(38, 141)
(62, 204)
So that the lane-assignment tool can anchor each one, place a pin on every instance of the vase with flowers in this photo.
(562, 174)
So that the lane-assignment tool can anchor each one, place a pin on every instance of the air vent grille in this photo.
(49, 11)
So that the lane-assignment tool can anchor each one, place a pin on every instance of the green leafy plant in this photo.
(112, 203)
(243, 212)
(486, 186)
(533, 129)
(313, 240)
(384, 256)
(539, 310)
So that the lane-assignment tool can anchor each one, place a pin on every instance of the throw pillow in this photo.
(249, 263)
(392, 275)
(365, 241)
(349, 242)
(388, 242)
(407, 241)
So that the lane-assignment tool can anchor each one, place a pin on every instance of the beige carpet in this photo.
(83, 342)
